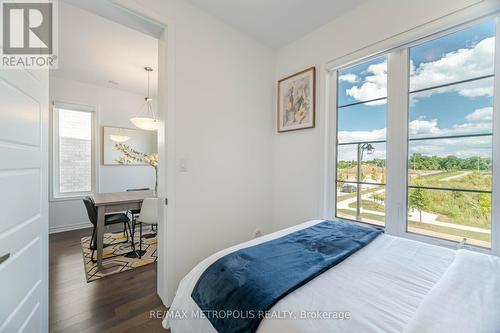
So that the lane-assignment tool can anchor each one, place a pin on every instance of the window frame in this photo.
(397, 51)
(357, 182)
(55, 194)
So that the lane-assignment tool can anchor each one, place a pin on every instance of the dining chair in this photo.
(109, 219)
(148, 215)
(135, 212)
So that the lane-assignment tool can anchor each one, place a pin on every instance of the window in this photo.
(417, 136)
(450, 136)
(74, 149)
(361, 135)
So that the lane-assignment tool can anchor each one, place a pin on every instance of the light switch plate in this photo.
(183, 165)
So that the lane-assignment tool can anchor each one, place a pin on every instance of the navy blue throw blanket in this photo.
(235, 291)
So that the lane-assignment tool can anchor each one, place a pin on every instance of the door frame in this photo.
(166, 148)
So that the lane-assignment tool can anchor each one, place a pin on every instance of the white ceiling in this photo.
(95, 50)
(276, 22)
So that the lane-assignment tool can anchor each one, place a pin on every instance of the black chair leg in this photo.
(140, 241)
(91, 245)
(125, 231)
(133, 235)
(129, 230)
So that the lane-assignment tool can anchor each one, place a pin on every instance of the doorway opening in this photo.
(107, 141)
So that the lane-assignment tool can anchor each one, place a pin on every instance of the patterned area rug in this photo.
(119, 254)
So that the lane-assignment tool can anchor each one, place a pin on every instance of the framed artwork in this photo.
(296, 101)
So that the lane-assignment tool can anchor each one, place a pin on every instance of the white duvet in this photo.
(391, 285)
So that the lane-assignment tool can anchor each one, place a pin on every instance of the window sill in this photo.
(427, 239)
(445, 243)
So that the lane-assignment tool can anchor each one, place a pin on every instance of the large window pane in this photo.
(452, 215)
(75, 149)
(361, 147)
(450, 136)
(458, 163)
(453, 110)
(463, 55)
(363, 82)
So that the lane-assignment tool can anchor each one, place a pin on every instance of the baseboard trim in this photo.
(69, 227)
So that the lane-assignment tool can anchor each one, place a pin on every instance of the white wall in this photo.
(224, 119)
(298, 156)
(115, 107)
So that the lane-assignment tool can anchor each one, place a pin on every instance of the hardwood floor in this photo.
(117, 303)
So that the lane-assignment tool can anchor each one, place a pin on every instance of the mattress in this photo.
(391, 285)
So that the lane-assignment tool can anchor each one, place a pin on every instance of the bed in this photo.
(390, 285)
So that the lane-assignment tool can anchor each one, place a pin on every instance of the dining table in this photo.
(114, 202)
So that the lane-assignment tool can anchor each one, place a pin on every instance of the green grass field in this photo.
(451, 231)
(474, 180)
(465, 208)
(352, 214)
(369, 205)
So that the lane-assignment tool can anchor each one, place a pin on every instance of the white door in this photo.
(23, 201)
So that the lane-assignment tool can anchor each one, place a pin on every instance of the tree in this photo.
(425, 162)
(373, 174)
(417, 199)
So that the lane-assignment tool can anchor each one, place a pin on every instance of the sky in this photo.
(452, 110)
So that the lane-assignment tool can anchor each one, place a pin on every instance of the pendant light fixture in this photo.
(149, 121)
(119, 137)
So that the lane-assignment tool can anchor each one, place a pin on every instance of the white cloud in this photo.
(479, 121)
(351, 78)
(481, 115)
(356, 136)
(483, 88)
(375, 85)
(456, 66)
(466, 128)
(423, 127)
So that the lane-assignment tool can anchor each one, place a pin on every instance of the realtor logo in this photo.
(28, 34)
(27, 28)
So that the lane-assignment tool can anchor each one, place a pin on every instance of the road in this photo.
(463, 174)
